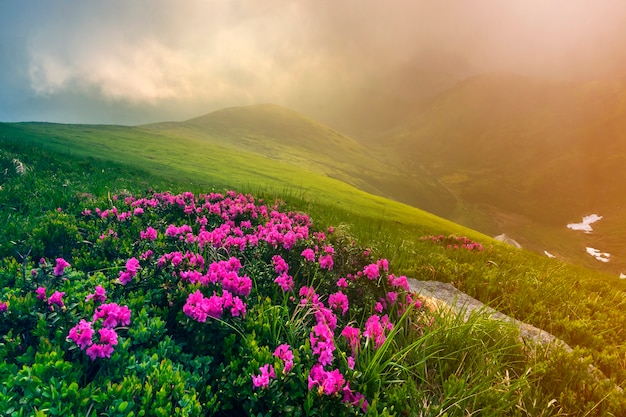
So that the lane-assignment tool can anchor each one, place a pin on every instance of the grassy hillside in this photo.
(582, 307)
(282, 135)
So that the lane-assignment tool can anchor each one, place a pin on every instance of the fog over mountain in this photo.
(147, 61)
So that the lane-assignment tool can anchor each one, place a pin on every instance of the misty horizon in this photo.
(142, 62)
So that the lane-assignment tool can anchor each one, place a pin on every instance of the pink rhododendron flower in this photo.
(326, 262)
(353, 337)
(375, 329)
(339, 300)
(322, 343)
(263, 379)
(285, 282)
(99, 351)
(284, 353)
(60, 266)
(41, 293)
(399, 282)
(81, 334)
(328, 382)
(392, 297)
(132, 265)
(354, 398)
(99, 295)
(56, 299)
(149, 233)
(384, 264)
(108, 336)
(371, 271)
(342, 282)
(3, 307)
(280, 265)
(308, 254)
(307, 295)
(113, 315)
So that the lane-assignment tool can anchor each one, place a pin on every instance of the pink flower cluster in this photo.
(111, 315)
(375, 328)
(263, 379)
(132, 266)
(56, 299)
(282, 352)
(99, 295)
(229, 224)
(199, 307)
(60, 266)
(456, 242)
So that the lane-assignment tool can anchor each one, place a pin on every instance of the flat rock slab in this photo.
(444, 296)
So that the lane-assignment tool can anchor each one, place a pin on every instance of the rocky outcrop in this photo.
(439, 295)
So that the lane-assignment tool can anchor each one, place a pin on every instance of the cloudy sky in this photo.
(132, 62)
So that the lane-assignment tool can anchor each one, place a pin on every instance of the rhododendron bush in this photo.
(200, 305)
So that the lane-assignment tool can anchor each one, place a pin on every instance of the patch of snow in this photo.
(622, 276)
(585, 225)
(548, 254)
(505, 239)
(600, 256)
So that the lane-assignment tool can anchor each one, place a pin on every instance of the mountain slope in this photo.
(289, 137)
(525, 157)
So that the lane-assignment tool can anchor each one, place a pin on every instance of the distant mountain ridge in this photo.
(291, 137)
(524, 156)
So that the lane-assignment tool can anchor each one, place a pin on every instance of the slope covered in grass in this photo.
(283, 135)
(577, 305)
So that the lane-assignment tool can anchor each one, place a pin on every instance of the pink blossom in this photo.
(353, 337)
(329, 382)
(284, 353)
(354, 398)
(56, 299)
(307, 295)
(342, 282)
(339, 300)
(351, 362)
(113, 315)
(280, 266)
(375, 329)
(285, 282)
(263, 379)
(81, 334)
(371, 271)
(384, 264)
(326, 262)
(60, 266)
(3, 307)
(99, 351)
(41, 293)
(308, 254)
(132, 265)
(108, 336)
(149, 233)
(399, 282)
(99, 295)
(322, 343)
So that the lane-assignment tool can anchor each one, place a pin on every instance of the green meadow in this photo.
(452, 368)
